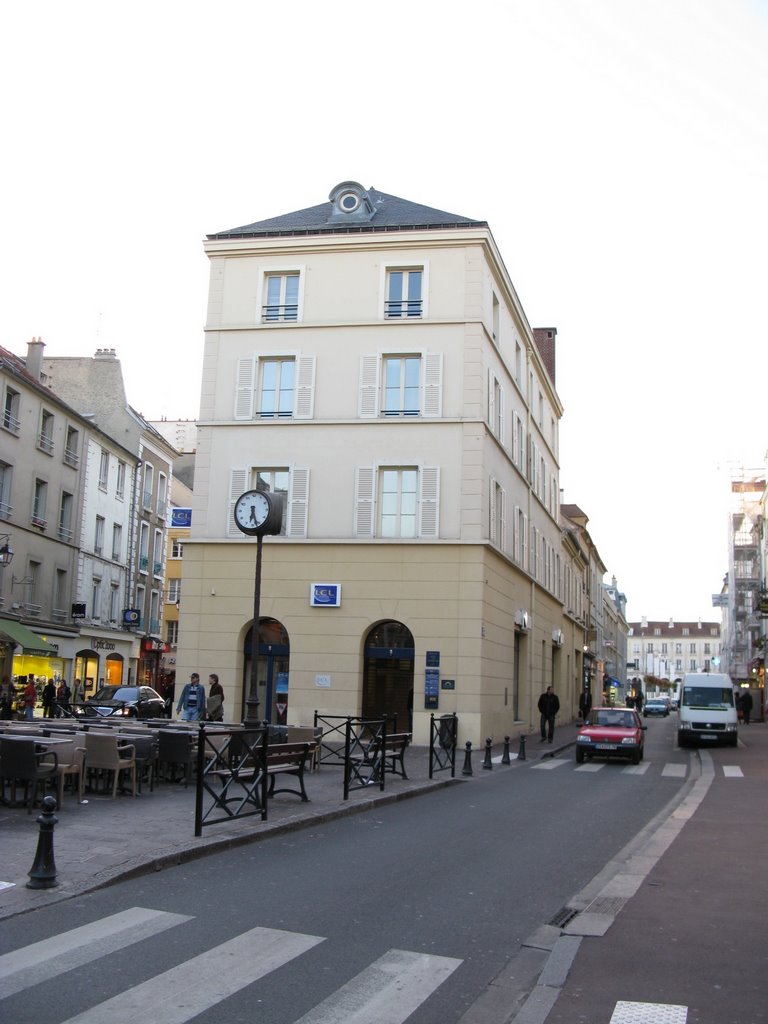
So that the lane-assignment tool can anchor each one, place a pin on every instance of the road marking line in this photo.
(51, 957)
(591, 767)
(648, 1013)
(387, 992)
(636, 769)
(675, 771)
(732, 771)
(183, 992)
(552, 762)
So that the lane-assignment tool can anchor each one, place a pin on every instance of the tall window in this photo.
(6, 477)
(114, 601)
(157, 563)
(39, 503)
(177, 548)
(103, 470)
(59, 609)
(149, 483)
(11, 411)
(32, 602)
(120, 484)
(172, 632)
(46, 432)
(117, 542)
(174, 590)
(98, 542)
(398, 502)
(277, 384)
(144, 547)
(277, 481)
(281, 298)
(72, 444)
(404, 297)
(65, 516)
(402, 385)
(162, 493)
(96, 598)
(497, 515)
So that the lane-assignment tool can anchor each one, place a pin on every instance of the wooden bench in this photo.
(289, 759)
(394, 753)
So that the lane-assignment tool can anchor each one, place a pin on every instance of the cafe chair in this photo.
(71, 766)
(20, 762)
(103, 754)
(176, 750)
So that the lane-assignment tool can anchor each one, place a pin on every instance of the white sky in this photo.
(618, 150)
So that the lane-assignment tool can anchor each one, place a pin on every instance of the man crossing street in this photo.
(549, 705)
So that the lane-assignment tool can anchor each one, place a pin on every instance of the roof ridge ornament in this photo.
(350, 202)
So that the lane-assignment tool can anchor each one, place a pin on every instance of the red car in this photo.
(611, 732)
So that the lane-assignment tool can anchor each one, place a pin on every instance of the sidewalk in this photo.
(102, 840)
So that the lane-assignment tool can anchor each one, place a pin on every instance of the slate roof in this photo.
(391, 214)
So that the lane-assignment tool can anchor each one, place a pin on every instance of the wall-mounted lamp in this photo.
(6, 555)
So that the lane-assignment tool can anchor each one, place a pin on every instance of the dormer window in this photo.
(350, 201)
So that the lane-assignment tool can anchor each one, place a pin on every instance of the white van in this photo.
(707, 710)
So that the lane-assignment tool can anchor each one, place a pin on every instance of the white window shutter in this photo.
(516, 540)
(365, 501)
(298, 503)
(492, 510)
(238, 481)
(245, 384)
(305, 388)
(369, 386)
(502, 527)
(491, 389)
(500, 418)
(429, 503)
(525, 542)
(432, 404)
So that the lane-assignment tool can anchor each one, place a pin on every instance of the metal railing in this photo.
(231, 775)
(443, 732)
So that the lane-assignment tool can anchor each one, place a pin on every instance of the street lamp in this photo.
(6, 554)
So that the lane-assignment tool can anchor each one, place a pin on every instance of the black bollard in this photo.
(488, 763)
(521, 752)
(505, 756)
(42, 874)
(467, 769)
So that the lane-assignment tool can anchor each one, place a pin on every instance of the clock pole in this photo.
(252, 703)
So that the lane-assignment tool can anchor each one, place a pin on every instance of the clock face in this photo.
(251, 511)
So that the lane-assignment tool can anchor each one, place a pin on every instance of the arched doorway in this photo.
(272, 667)
(114, 669)
(388, 673)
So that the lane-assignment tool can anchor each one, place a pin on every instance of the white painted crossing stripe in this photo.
(183, 992)
(648, 1013)
(591, 766)
(636, 769)
(387, 992)
(64, 952)
(552, 762)
(732, 771)
(674, 771)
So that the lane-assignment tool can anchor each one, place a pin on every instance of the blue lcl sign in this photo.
(325, 595)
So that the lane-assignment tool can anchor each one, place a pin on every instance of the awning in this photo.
(14, 632)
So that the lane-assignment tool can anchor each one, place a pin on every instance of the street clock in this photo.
(259, 513)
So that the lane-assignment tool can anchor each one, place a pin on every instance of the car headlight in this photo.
(583, 739)
(683, 723)
(628, 739)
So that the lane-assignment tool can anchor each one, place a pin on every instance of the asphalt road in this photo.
(455, 881)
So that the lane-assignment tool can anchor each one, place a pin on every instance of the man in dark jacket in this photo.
(549, 705)
(746, 706)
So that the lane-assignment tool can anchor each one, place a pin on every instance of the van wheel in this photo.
(733, 741)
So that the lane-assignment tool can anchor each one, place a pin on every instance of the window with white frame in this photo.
(33, 588)
(157, 556)
(174, 590)
(172, 632)
(117, 542)
(141, 598)
(103, 469)
(6, 479)
(498, 515)
(154, 612)
(177, 548)
(60, 595)
(281, 298)
(39, 503)
(144, 547)
(518, 443)
(96, 598)
(401, 384)
(98, 541)
(45, 441)
(11, 411)
(404, 293)
(114, 601)
(397, 501)
(162, 493)
(120, 484)
(496, 407)
(520, 539)
(72, 446)
(275, 386)
(149, 483)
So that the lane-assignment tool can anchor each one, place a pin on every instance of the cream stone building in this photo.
(369, 359)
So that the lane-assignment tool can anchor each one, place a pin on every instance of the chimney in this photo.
(671, 622)
(644, 622)
(34, 360)
(545, 342)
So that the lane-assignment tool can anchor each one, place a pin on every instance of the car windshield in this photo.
(616, 719)
(655, 704)
(125, 693)
(707, 697)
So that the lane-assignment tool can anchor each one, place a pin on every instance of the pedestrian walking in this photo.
(64, 700)
(585, 704)
(639, 701)
(49, 699)
(746, 706)
(192, 700)
(7, 695)
(30, 698)
(215, 699)
(549, 705)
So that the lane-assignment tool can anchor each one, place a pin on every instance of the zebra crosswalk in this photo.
(388, 991)
(671, 769)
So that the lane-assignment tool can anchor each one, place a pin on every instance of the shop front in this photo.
(26, 653)
(101, 661)
(151, 660)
